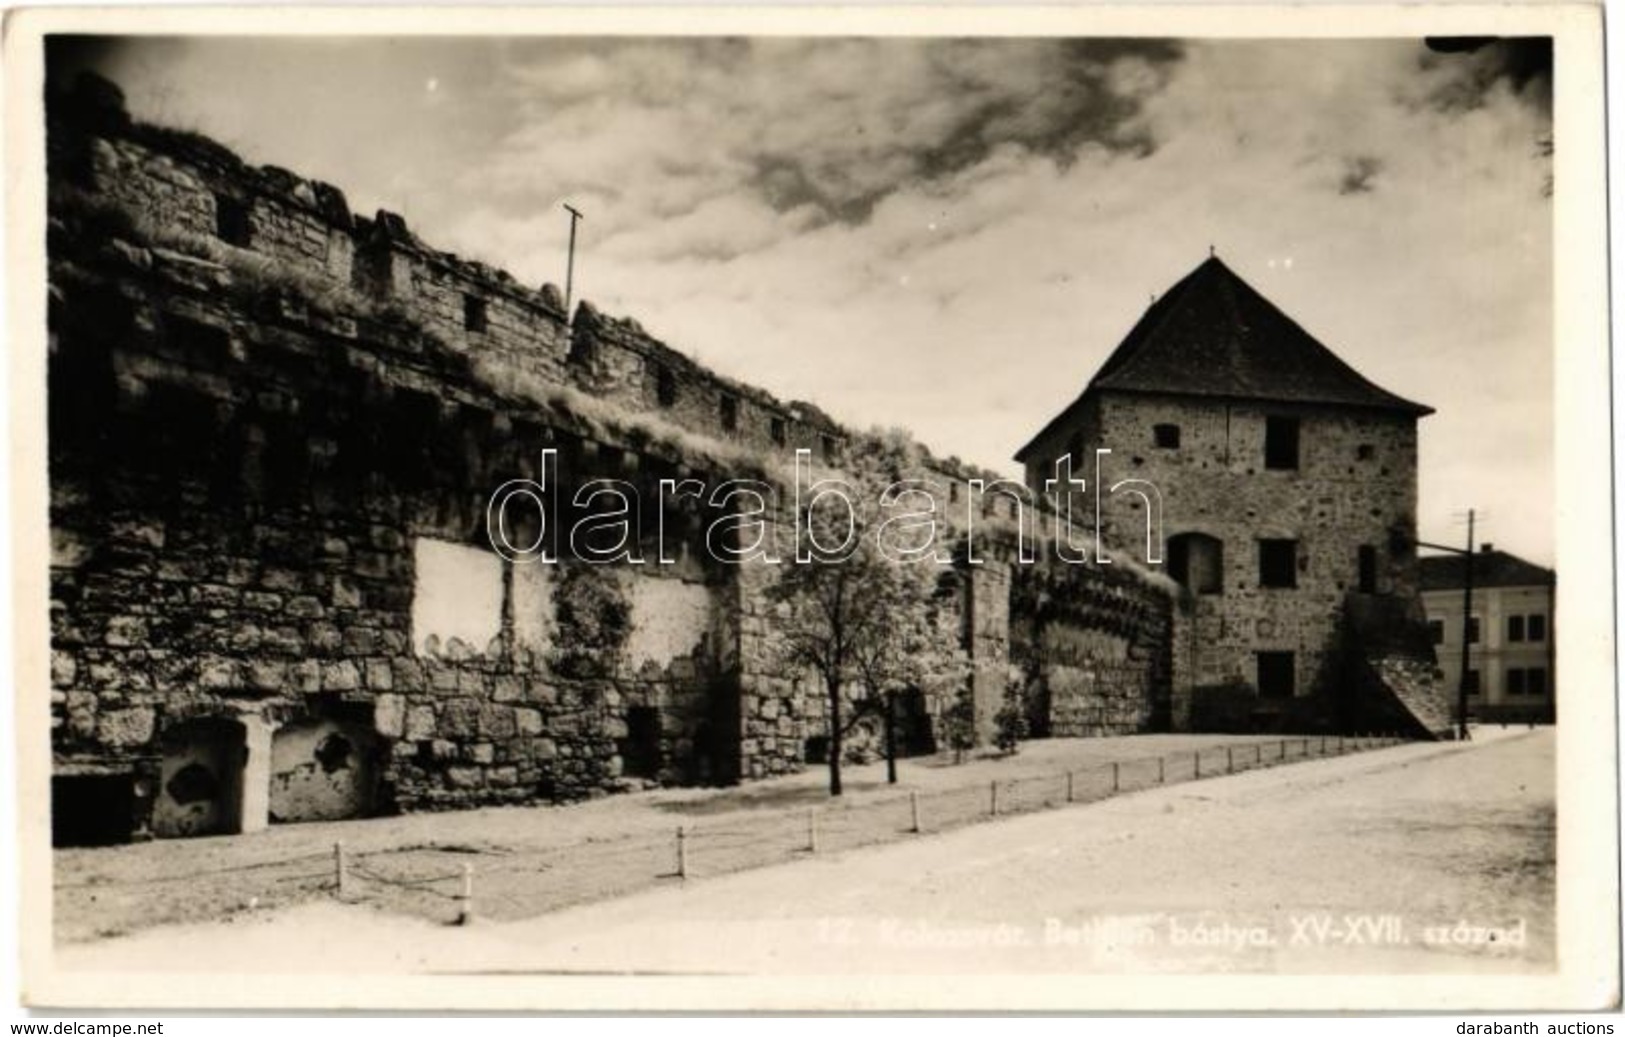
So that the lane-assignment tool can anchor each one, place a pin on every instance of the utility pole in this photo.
(570, 267)
(1466, 623)
(1466, 629)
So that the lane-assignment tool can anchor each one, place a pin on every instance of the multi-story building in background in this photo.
(1511, 638)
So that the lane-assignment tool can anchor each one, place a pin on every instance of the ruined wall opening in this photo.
(815, 749)
(325, 767)
(916, 735)
(92, 809)
(200, 781)
(665, 386)
(473, 313)
(231, 221)
(640, 749)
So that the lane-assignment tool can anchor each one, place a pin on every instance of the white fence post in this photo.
(465, 899)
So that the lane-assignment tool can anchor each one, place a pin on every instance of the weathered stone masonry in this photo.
(274, 429)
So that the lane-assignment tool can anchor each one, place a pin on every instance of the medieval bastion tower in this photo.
(1288, 487)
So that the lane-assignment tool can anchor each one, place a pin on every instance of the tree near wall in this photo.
(867, 625)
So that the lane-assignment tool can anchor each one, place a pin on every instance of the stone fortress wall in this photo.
(275, 426)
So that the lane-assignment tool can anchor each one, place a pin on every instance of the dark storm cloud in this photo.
(1476, 65)
(1359, 175)
(1050, 98)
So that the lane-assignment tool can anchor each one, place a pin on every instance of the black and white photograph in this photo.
(843, 511)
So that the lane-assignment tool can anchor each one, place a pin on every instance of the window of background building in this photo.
(1536, 681)
(1166, 436)
(1537, 628)
(1472, 682)
(665, 386)
(1515, 681)
(775, 428)
(1277, 563)
(1280, 442)
(1277, 675)
(1436, 630)
(1514, 628)
(1472, 631)
(729, 413)
(1365, 451)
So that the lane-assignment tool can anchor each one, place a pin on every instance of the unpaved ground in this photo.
(535, 859)
(1269, 871)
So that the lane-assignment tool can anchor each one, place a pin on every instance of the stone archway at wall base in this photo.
(200, 780)
(323, 769)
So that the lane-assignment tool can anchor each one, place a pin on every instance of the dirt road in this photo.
(539, 859)
(1421, 858)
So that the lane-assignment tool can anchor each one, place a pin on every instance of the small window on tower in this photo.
(776, 430)
(1436, 630)
(1166, 436)
(1277, 563)
(729, 413)
(1365, 451)
(1280, 443)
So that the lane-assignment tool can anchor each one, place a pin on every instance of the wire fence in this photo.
(455, 884)
(531, 882)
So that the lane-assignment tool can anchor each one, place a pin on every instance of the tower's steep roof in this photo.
(1213, 335)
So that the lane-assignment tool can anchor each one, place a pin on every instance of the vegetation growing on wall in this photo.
(590, 602)
(1010, 722)
(869, 626)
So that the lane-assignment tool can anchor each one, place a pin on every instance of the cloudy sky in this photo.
(950, 235)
